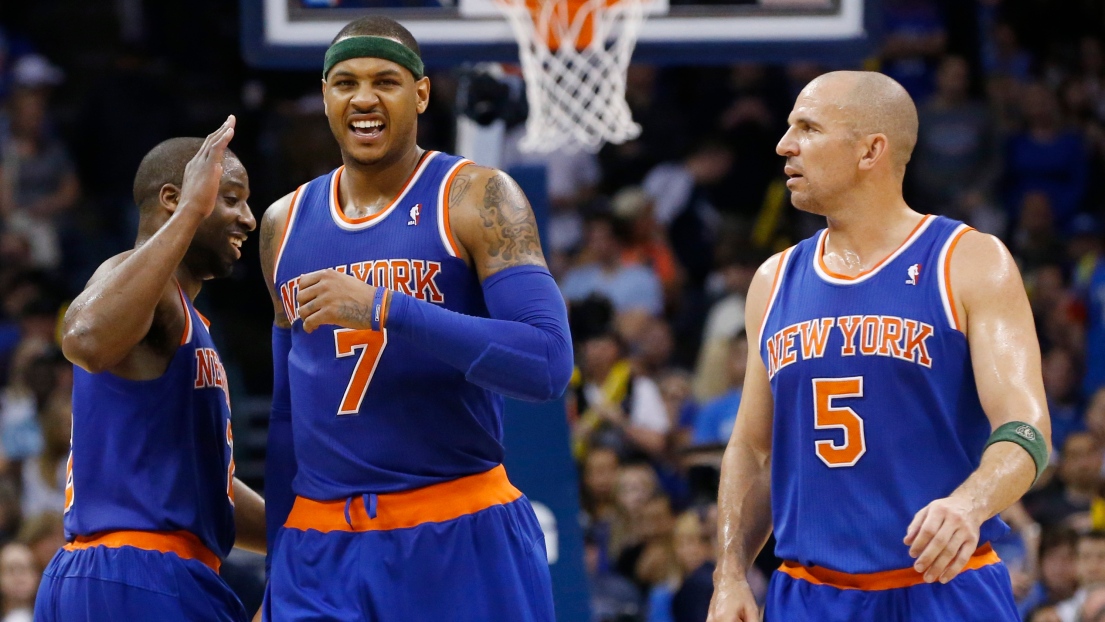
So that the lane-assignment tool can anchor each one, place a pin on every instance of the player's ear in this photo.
(324, 106)
(169, 197)
(422, 92)
(875, 148)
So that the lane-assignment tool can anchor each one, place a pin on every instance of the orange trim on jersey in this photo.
(432, 504)
(825, 269)
(774, 285)
(875, 581)
(203, 318)
(364, 219)
(184, 337)
(948, 276)
(185, 544)
(445, 209)
(284, 236)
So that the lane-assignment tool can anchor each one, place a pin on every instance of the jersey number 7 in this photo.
(826, 417)
(371, 344)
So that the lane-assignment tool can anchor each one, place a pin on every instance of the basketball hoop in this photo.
(575, 55)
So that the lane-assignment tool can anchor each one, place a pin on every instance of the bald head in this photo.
(874, 104)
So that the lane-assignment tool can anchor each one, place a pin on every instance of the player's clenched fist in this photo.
(331, 297)
(942, 538)
(732, 602)
(204, 172)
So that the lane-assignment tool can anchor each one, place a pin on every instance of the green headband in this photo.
(372, 47)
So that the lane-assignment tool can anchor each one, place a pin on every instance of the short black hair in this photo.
(164, 164)
(378, 26)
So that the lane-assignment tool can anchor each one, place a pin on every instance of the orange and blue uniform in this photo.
(149, 501)
(876, 416)
(402, 510)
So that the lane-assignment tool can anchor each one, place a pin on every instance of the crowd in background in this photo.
(654, 243)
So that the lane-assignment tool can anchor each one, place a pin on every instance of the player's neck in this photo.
(364, 190)
(188, 281)
(862, 236)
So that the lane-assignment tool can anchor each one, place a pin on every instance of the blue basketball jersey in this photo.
(371, 414)
(155, 455)
(876, 409)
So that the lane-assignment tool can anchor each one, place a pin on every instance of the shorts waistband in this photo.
(184, 543)
(874, 581)
(398, 510)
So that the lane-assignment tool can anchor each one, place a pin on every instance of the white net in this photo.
(576, 86)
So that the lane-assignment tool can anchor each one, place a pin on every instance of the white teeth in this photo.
(236, 242)
(366, 125)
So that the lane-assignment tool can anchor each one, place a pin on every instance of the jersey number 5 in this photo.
(371, 344)
(827, 417)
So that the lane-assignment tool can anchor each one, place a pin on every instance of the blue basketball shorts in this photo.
(116, 582)
(981, 593)
(466, 550)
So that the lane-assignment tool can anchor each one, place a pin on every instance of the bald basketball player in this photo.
(893, 403)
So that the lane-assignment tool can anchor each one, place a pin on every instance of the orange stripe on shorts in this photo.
(398, 510)
(185, 544)
(874, 581)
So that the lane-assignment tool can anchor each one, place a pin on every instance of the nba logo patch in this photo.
(416, 214)
(914, 271)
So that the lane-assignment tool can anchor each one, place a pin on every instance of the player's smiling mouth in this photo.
(367, 128)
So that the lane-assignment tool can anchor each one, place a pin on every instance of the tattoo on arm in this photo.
(268, 234)
(511, 229)
(355, 314)
(461, 183)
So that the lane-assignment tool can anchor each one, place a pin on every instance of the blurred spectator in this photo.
(1067, 499)
(631, 288)
(45, 534)
(598, 481)
(646, 244)
(652, 558)
(616, 407)
(613, 597)
(1003, 57)
(1058, 572)
(1091, 574)
(1046, 157)
(44, 475)
(685, 595)
(19, 578)
(38, 182)
(1060, 387)
(714, 421)
(957, 161)
(637, 483)
(652, 345)
(1035, 240)
(724, 321)
(914, 37)
(683, 205)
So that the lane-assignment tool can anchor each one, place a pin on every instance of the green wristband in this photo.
(372, 47)
(1028, 437)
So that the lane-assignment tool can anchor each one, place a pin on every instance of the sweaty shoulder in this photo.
(492, 221)
(273, 223)
(983, 272)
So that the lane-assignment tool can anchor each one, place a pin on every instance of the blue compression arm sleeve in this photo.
(524, 350)
(280, 466)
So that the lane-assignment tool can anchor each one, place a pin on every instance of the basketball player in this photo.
(151, 501)
(410, 294)
(893, 403)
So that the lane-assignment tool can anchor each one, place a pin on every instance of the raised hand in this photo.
(204, 171)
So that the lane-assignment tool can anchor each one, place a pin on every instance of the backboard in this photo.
(295, 33)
